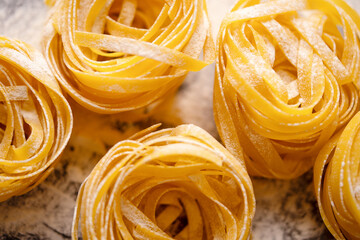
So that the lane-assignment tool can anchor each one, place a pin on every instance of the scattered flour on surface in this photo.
(285, 209)
(23, 20)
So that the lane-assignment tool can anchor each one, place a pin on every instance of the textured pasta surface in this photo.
(175, 183)
(337, 182)
(287, 78)
(35, 119)
(114, 56)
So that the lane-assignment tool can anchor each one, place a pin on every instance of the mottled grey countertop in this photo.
(285, 209)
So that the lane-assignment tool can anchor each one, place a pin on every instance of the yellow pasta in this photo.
(35, 119)
(114, 56)
(337, 182)
(287, 78)
(175, 183)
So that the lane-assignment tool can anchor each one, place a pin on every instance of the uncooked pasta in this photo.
(115, 56)
(35, 119)
(287, 78)
(337, 182)
(175, 183)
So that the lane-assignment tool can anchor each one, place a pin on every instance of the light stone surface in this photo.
(285, 209)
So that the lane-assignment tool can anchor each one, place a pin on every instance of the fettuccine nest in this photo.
(114, 56)
(337, 182)
(171, 184)
(35, 119)
(287, 78)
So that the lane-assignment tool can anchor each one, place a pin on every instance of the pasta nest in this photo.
(114, 56)
(337, 182)
(287, 78)
(35, 119)
(175, 183)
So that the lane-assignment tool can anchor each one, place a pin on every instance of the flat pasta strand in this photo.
(287, 78)
(337, 182)
(35, 119)
(122, 55)
(175, 183)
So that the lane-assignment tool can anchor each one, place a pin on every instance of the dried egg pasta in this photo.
(175, 183)
(287, 78)
(121, 55)
(337, 182)
(35, 119)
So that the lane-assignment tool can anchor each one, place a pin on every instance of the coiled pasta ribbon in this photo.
(170, 184)
(35, 119)
(121, 55)
(287, 77)
(337, 182)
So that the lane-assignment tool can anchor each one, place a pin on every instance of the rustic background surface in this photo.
(285, 209)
